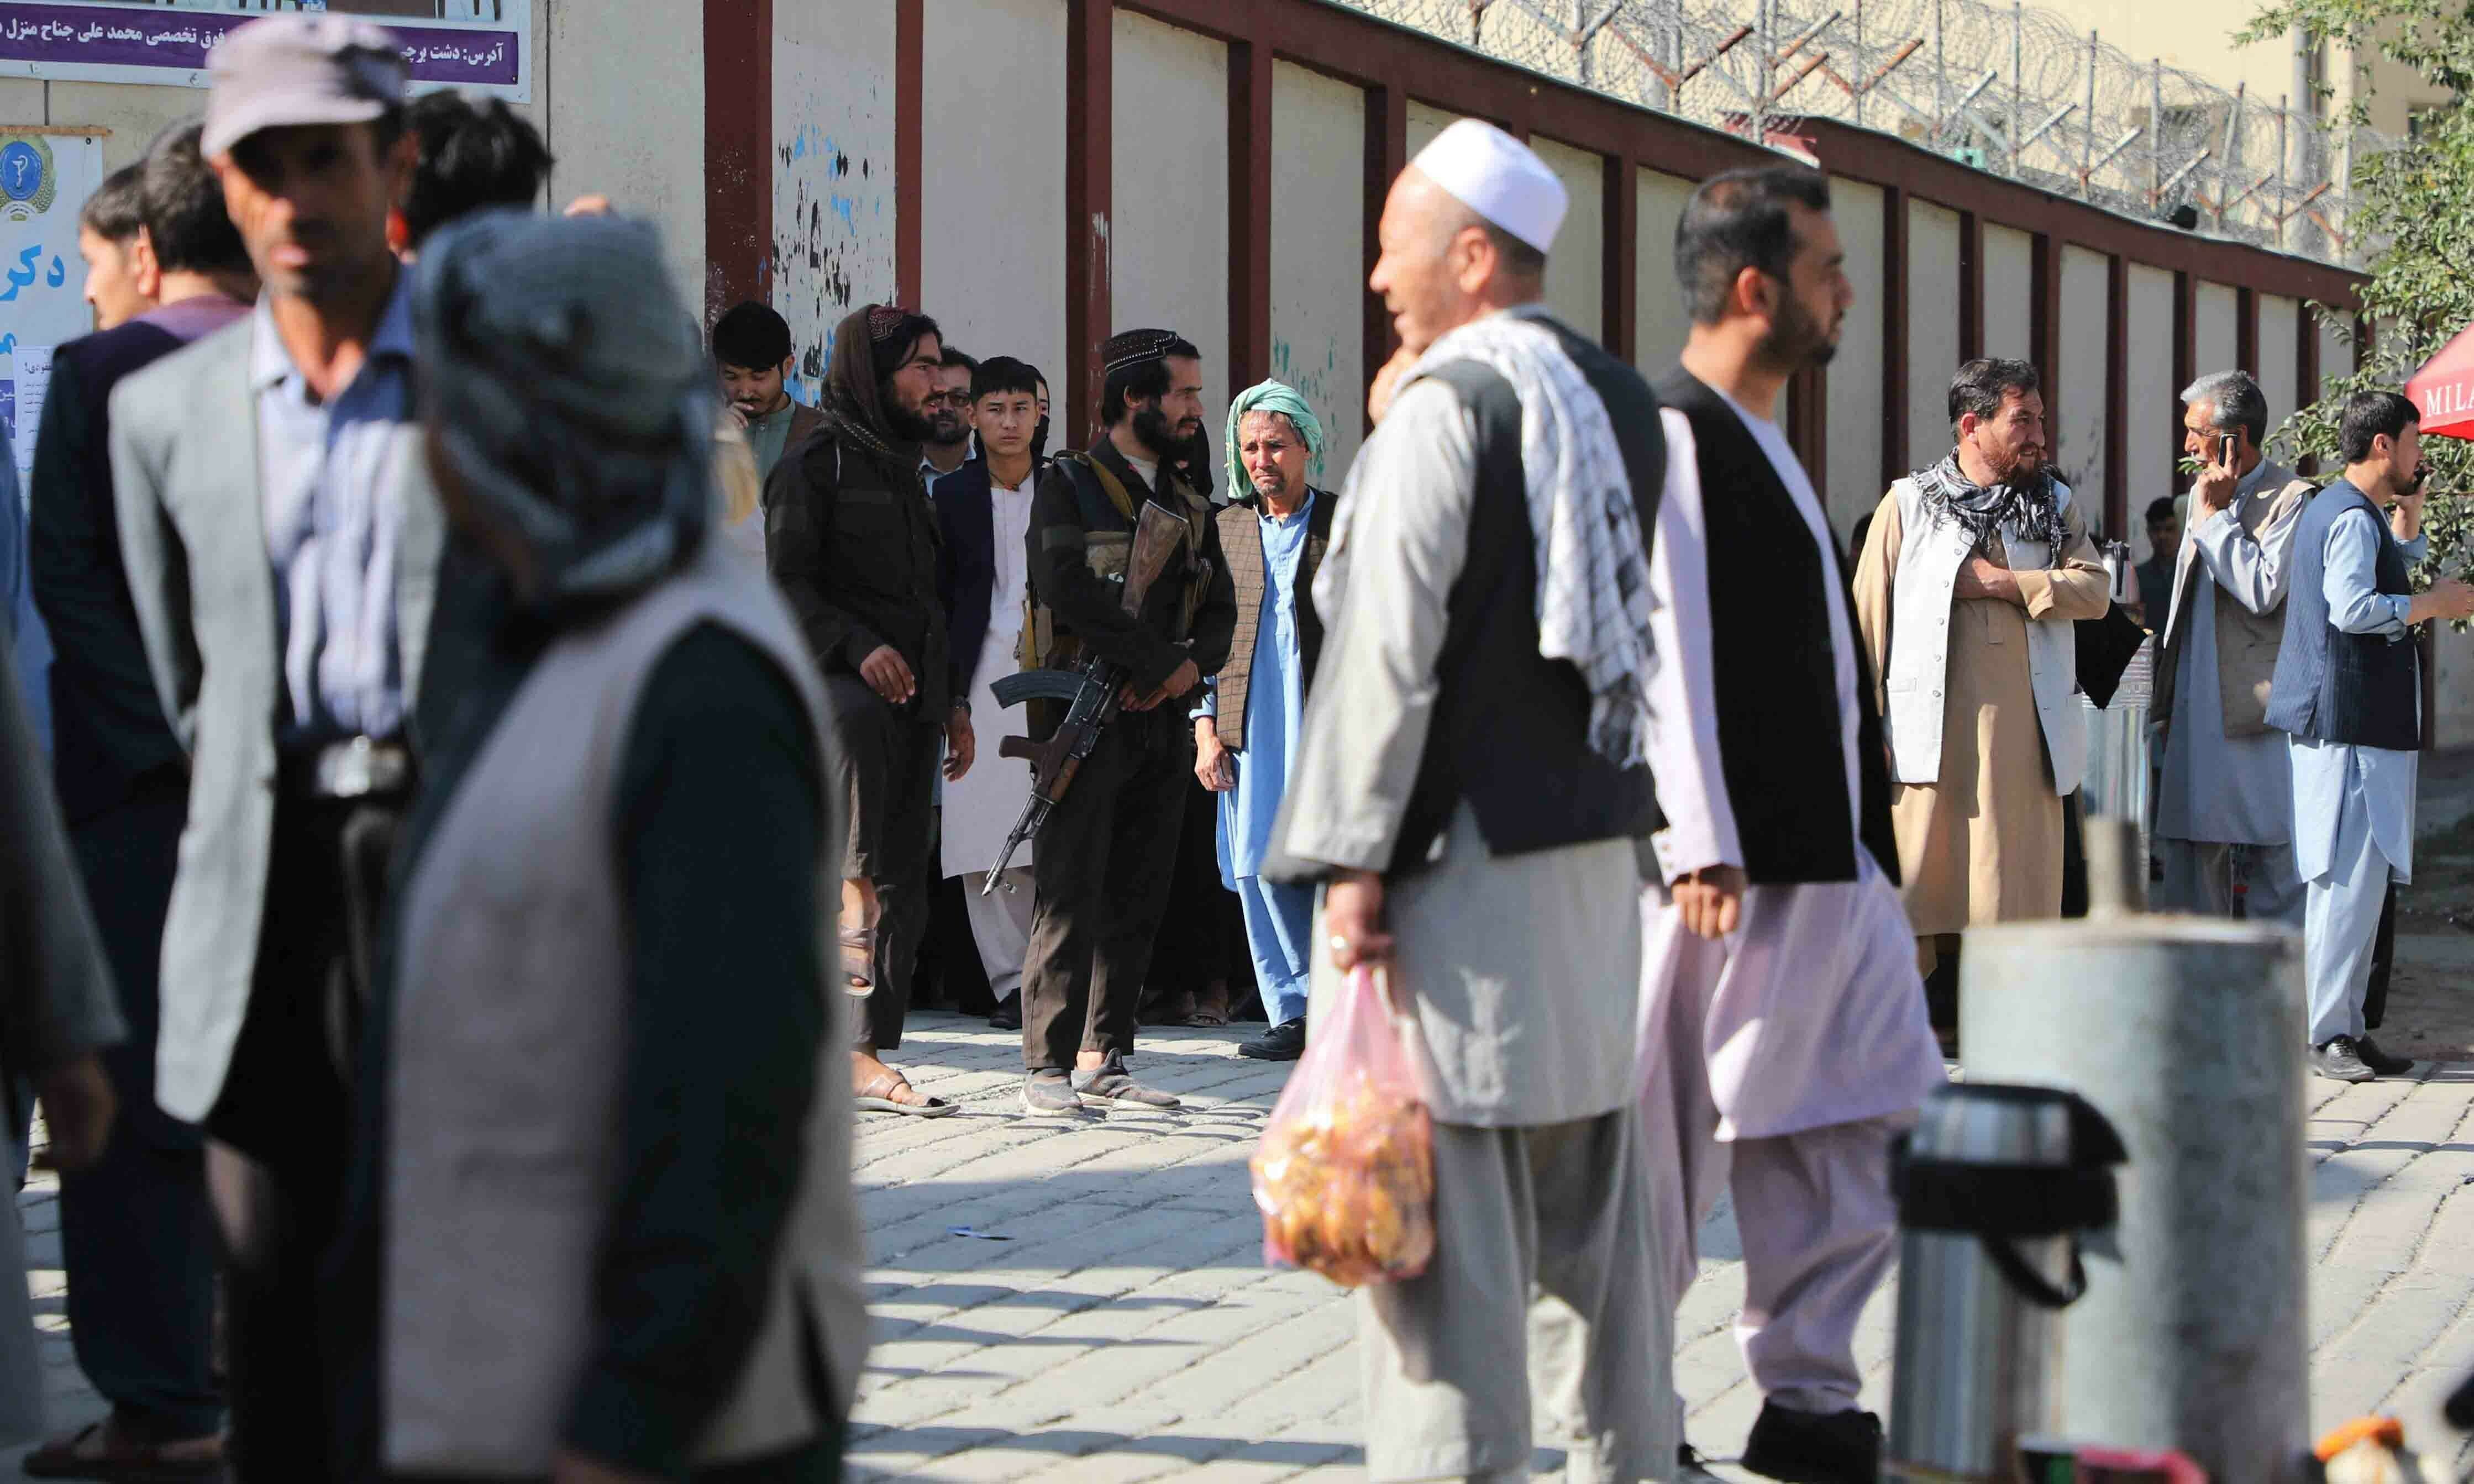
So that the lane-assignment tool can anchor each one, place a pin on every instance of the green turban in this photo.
(1272, 397)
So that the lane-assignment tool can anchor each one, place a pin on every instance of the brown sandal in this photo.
(877, 1097)
(859, 961)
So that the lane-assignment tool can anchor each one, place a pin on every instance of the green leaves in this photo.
(2414, 203)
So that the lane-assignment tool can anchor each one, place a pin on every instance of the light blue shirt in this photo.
(332, 512)
(1275, 693)
(2350, 579)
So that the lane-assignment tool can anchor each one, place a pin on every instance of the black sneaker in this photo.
(1009, 1015)
(2339, 1058)
(1283, 1042)
(1690, 1468)
(1051, 1095)
(1815, 1447)
(2381, 1061)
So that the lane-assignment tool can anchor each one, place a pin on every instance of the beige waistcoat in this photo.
(503, 1093)
(2247, 642)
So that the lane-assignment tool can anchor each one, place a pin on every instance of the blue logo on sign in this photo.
(21, 170)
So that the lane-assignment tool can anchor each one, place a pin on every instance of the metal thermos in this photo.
(1994, 1185)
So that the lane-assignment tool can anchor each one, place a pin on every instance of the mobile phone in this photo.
(2421, 472)
(2228, 448)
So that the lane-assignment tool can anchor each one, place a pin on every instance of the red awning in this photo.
(2443, 389)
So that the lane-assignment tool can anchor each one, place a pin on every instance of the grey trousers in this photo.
(1538, 1287)
(2199, 877)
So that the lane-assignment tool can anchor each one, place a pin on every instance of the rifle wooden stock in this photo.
(1158, 533)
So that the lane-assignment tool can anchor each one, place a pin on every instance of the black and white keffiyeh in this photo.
(1593, 598)
(2032, 511)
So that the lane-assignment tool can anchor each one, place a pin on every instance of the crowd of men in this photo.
(514, 781)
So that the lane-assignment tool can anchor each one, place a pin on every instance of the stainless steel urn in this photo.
(1995, 1186)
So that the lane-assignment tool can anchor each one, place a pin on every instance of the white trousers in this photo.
(2341, 924)
(2199, 877)
(1001, 925)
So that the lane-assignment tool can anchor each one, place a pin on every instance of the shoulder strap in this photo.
(1109, 485)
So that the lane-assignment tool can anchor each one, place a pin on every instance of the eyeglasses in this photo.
(955, 399)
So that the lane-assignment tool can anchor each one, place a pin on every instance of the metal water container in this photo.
(1995, 1186)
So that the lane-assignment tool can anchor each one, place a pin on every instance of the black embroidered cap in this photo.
(1135, 348)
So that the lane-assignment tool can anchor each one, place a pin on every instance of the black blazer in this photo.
(110, 735)
(967, 575)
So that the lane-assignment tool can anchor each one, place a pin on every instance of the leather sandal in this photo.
(877, 1097)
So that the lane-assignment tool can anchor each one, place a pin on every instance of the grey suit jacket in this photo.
(184, 469)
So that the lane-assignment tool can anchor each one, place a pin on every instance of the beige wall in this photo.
(1318, 254)
(992, 193)
(1658, 321)
(1169, 183)
(2278, 370)
(1853, 424)
(1425, 121)
(834, 190)
(1576, 280)
(1932, 327)
(2214, 336)
(2153, 413)
(2336, 354)
(2010, 291)
(2079, 407)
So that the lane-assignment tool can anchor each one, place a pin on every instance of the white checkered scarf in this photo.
(1593, 601)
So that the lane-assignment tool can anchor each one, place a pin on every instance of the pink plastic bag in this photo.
(1346, 1173)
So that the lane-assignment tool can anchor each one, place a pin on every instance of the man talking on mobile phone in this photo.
(2348, 691)
(2223, 829)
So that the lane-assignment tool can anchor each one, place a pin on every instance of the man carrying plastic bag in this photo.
(1471, 789)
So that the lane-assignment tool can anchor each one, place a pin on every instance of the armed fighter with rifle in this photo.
(1125, 560)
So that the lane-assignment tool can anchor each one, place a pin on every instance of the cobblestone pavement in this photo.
(1088, 1302)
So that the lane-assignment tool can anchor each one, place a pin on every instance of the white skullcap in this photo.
(1497, 177)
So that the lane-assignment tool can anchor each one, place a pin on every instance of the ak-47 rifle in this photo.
(1091, 689)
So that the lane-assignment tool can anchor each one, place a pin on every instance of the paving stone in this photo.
(1128, 1330)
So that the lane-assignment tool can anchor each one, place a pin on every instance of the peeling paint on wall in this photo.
(832, 189)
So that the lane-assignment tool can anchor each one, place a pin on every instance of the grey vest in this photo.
(510, 1037)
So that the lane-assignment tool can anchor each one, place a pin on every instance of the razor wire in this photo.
(2013, 90)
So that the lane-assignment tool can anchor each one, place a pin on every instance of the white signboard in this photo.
(44, 182)
(485, 47)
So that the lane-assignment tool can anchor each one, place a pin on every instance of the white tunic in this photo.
(982, 805)
(1818, 1016)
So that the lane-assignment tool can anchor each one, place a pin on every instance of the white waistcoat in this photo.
(1929, 557)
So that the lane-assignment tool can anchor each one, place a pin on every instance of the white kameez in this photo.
(983, 804)
(1807, 1027)
(1778, 1062)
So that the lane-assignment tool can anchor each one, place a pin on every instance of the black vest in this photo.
(1779, 726)
(1510, 731)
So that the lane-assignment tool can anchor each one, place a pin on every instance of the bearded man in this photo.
(851, 540)
(1784, 1041)
(1107, 849)
(1971, 576)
